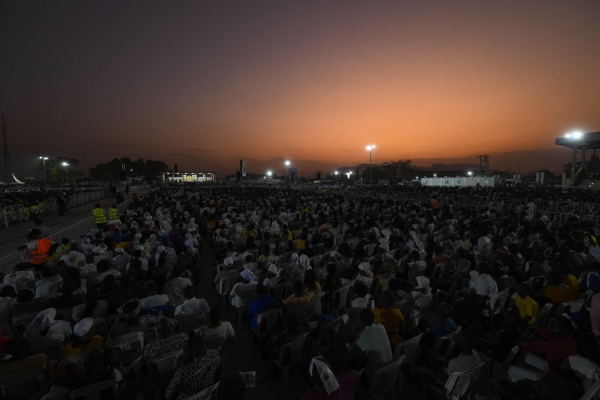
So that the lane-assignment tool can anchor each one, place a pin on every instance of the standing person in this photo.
(113, 213)
(62, 203)
(127, 189)
(99, 216)
(136, 199)
(39, 225)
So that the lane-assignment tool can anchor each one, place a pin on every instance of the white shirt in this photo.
(211, 335)
(484, 285)
(361, 302)
(88, 271)
(192, 306)
(73, 259)
(48, 287)
(374, 341)
(175, 287)
(20, 279)
(154, 301)
(483, 240)
(100, 277)
(61, 329)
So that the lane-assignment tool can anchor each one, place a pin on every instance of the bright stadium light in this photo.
(434, 175)
(269, 173)
(370, 149)
(576, 134)
(568, 136)
(287, 163)
(469, 173)
(336, 172)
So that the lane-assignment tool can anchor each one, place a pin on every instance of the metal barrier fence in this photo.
(14, 213)
(138, 188)
(74, 232)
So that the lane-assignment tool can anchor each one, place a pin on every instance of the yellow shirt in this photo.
(557, 295)
(391, 321)
(571, 282)
(300, 244)
(527, 307)
(95, 343)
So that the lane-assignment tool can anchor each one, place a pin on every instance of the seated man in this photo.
(153, 299)
(174, 288)
(216, 330)
(372, 348)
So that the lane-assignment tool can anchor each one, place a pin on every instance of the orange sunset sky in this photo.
(203, 84)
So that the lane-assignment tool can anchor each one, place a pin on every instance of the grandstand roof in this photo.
(590, 139)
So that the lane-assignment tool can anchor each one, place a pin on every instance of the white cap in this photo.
(83, 326)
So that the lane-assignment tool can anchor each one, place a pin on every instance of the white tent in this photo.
(17, 181)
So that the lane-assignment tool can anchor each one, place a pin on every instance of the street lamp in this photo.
(434, 175)
(370, 148)
(287, 163)
(66, 170)
(469, 173)
(44, 161)
(269, 173)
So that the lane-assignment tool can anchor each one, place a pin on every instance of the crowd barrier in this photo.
(74, 232)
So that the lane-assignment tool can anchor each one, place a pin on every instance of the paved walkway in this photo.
(15, 235)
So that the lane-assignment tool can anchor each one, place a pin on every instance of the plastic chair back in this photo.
(131, 345)
(162, 369)
(266, 322)
(315, 304)
(302, 312)
(409, 349)
(206, 394)
(570, 307)
(542, 316)
(331, 326)
(20, 322)
(340, 296)
(459, 383)
(295, 346)
(74, 366)
(278, 291)
(384, 379)
(450, 337)
(498, 301)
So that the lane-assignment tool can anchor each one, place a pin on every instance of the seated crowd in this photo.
(345, 288)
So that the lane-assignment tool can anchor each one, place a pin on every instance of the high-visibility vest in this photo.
(40, 255)
(99, 216)
(114, 214)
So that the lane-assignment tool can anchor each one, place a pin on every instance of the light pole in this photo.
(66, 165)
(287, 164)
(336, 174)
(45, 176)
(370, 148)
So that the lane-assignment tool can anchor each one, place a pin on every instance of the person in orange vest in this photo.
(434, 202)
(40, 249)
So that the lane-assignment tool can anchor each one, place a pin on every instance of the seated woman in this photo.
(262, 303)
(44, 325)
(391, 318)
(200, 369)
(81, 341)
(216, 330)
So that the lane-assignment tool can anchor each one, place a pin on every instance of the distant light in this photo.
(434, 175)
(65, 164)
(269, 173)
(469, 172)
(369, 148)
(336, 172)
(568, 136)
(287, 163)
(576, 134)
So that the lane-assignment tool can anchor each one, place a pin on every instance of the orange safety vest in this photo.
(40, 255)
(434, 203)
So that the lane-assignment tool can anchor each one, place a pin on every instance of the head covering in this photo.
(462, 267)
(336, 256)
(422, 282)
(416, 227)
(295, 258)
(228, 261)
(327, 377)
(133, 313)
(189, 243)
(273, 269)
(466, 245)
(389, 299)
(98, 250)
(304, 261)
(119, 250)
(43, 320)
(83, 327)
(140, 248)
(384, 244)
(138, 236)
(247, 275)
(365, 267)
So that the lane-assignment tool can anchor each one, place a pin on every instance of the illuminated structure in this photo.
(579, 140)
(189, 176)
(7, 165)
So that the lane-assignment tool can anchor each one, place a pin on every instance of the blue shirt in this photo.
(327, 318)
(259, 305)
(117, 238)
(443, 328)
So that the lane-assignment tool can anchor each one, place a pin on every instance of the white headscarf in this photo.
(366, 268)
(43, 320)
(304, 261)
(327, 377)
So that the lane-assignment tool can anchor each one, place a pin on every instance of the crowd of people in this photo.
(341, 287)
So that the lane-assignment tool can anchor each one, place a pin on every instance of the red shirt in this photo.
(555, 349)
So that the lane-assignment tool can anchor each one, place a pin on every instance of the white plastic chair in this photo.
(383, 381)
(131, 345)
(343, 296)
(593, 393)
(74, 366)
(266, 322)
(438, 343)
(206, 394)
(162, 369)
(295, 347)
(410, 349)
(315, 304)
(331, 326)
(457, 385)
(187, 323)
(542, 316)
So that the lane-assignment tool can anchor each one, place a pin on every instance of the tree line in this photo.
(394, 171)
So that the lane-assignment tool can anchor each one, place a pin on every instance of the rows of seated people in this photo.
(350, 290)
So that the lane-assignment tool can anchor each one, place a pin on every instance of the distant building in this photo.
(189, 176)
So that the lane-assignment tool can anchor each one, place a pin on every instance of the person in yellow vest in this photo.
(39, 247)
(113, 213)
(99, 216)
